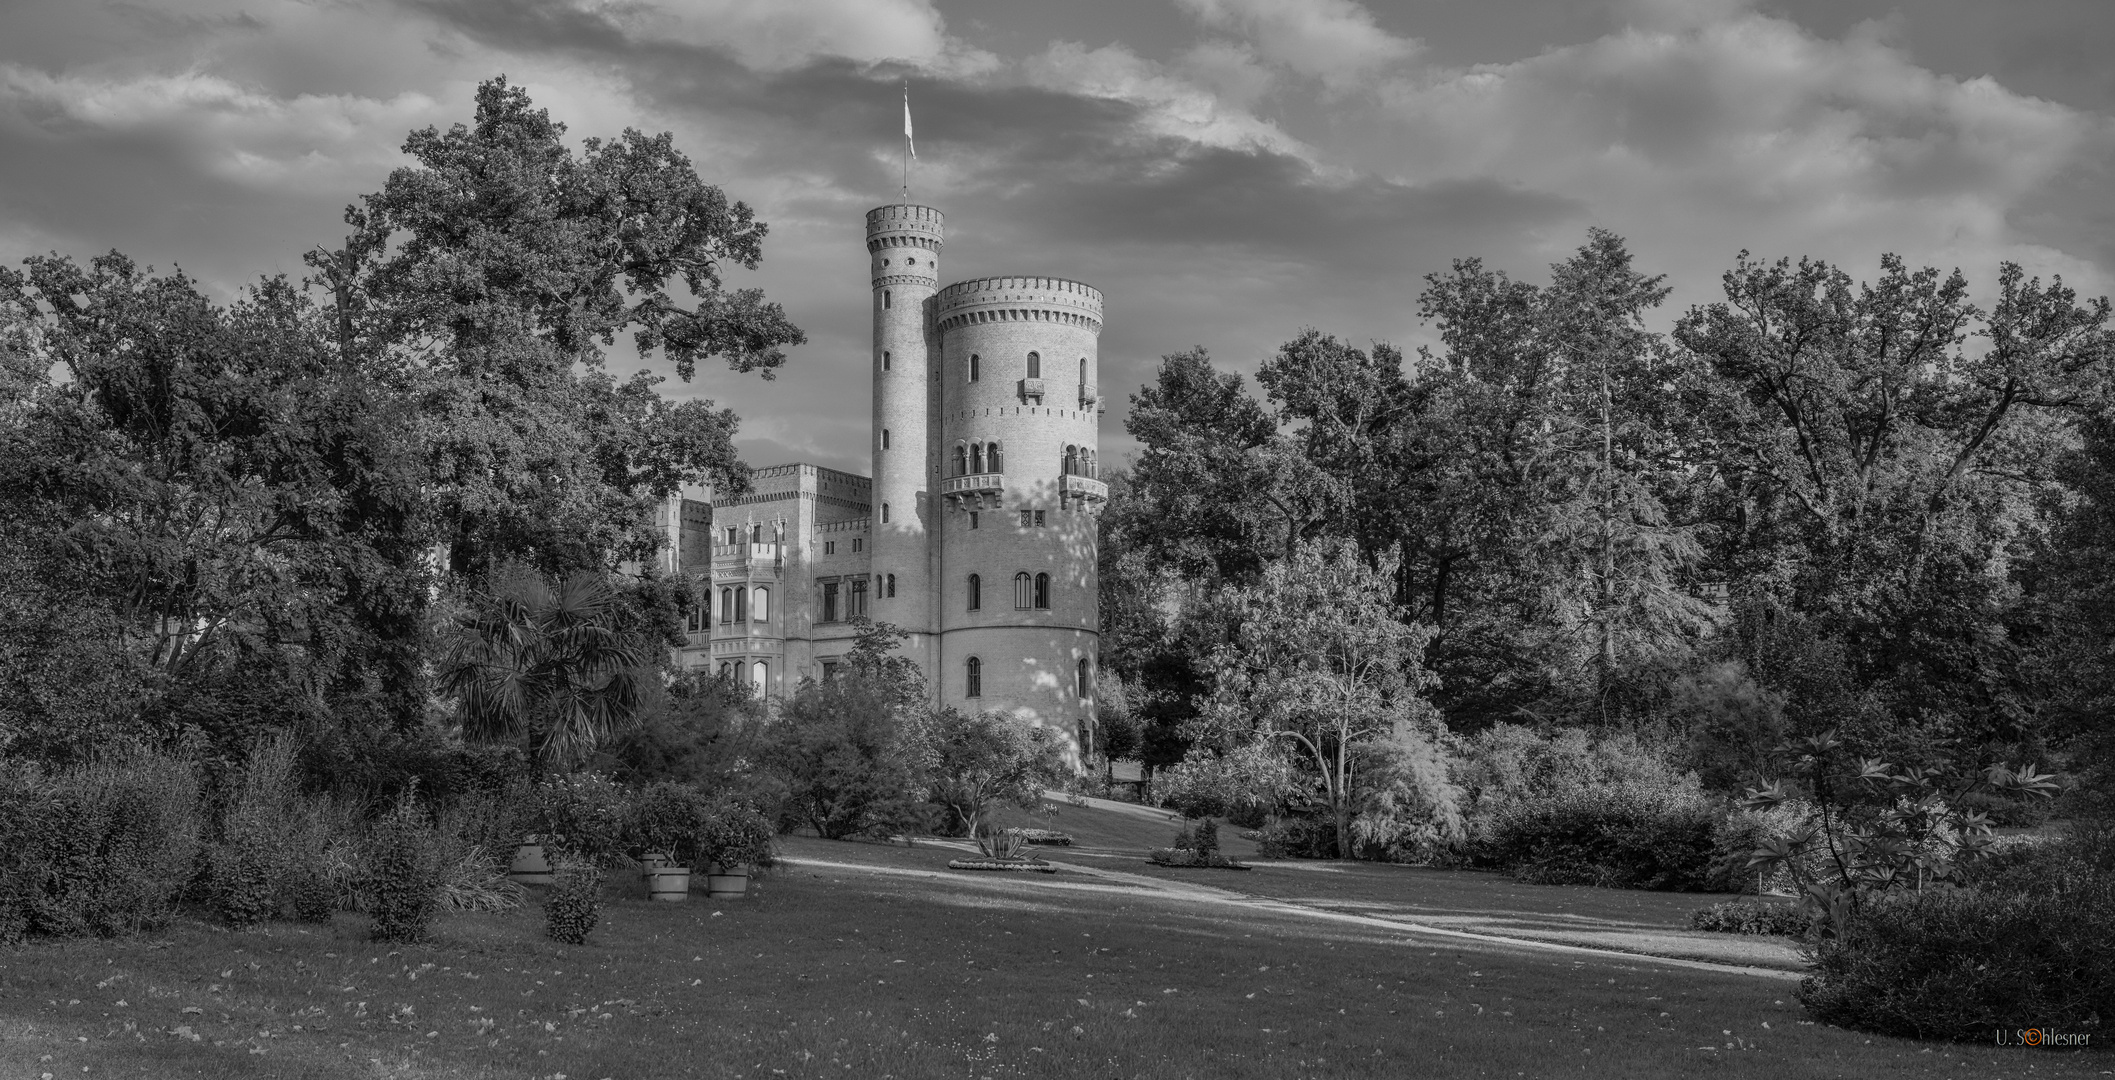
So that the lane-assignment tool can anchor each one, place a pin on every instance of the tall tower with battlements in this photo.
(903, 252)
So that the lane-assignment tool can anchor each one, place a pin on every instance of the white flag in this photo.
(907, 140)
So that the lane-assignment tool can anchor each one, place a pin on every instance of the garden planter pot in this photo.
(531, 865)
(664, 882)
(727, 882)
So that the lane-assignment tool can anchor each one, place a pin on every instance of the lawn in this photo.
(870, 961)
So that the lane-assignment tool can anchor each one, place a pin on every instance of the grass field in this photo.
(869, 961)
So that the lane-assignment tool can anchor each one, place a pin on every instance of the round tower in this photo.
(903, 248)
(1019, 489)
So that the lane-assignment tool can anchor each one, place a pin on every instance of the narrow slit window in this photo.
(884, 513)
(973, 683)
(1023, 591)
(1035, 365)
(884, 438)
(892, 587)
(884, 359)
(1042, 591)
(974, 366)
(884, 299)
(976, 593)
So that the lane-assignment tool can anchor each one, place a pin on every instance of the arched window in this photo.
(726, 605)
(760, 674)
(973, 686)
(884, 513)
(961, 460)
(1072, 457)
(1042, 590)
(884, 438)
(884, 359)
(993, 455)
(741, 605)
(760, 603)
(1083, 372)
(726, 669)
(1085, 679)
(976, 458)
(892, 587)
(974, 366)
(1035, 365)
(884, 298)
(756, 534)
(976, 592)
(1023, 590)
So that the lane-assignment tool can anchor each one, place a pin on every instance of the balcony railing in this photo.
(745, 552)
(973, 484)
(1082, 487)
(1090, 396)
(1032, 388)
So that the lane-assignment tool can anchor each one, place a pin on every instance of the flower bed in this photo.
(1043, 836)
(1189, 858)
(1030, 865)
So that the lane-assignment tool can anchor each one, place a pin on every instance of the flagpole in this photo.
(906, 142)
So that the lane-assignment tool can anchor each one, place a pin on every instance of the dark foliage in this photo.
(405, 864)
(574, 904)
(1750, 917)
(1612, 837)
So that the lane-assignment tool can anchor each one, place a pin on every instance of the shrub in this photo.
(848, 758)
(736, 834)
(1741, 832)
(105, 847)
(1408, 809)
(405, 862)
(981, 760)
(665, 819)
(1747, 917)
(255, 856)
(581, 816)
(575, 902)
(1297, 838)
(1622, 837)
(1957, 963)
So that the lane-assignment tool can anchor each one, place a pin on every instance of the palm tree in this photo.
(554, 667)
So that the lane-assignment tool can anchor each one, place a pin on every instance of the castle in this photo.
(976, 531)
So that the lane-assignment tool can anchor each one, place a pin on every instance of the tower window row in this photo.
(973, 678)
(974, 458)
(1034, 365)
(1029, 593)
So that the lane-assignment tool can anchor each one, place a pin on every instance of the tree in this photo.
(981, 760)
(552, 666)
(488, 278)
(1322, 661)
(851, 756)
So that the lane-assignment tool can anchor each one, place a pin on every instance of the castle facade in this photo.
(975, 532)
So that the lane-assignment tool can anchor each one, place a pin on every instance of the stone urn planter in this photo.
(727, 882)
(532, 865)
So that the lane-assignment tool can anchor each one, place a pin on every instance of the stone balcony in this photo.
(1090, 396)
(1085, 488)
(737, 556)
(1032, 390)
(973, 488)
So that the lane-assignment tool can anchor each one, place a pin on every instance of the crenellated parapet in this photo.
(1019, 300)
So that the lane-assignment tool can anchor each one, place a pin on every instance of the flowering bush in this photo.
(735, 834)
(666, 819)
(581, 815)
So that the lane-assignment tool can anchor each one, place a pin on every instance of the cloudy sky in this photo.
(1226, 171)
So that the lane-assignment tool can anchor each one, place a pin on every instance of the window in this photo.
(1042, 591)
(973, 519)
(859, 599)
(884, 299)
(974, 685)
(734, 535)
(961, 460)
(760, 674)
(756, 534)
(884, 438)
(884, 359)
(859, 543)
(1039, 519)
(1072, 461)
(974, 366)
(992, 458)
(892, 587)
(741, 605)
(726, 669)
(1027, 518)
(697, 619)
(1023, 590)
(726, 605)
(976, 593)
(830, 669)
(829, 547)
(1084, 680)
(976, 458)
(760, 603)
(1035, 365)
(829, 601)
(884, 513)
(1083, 373)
